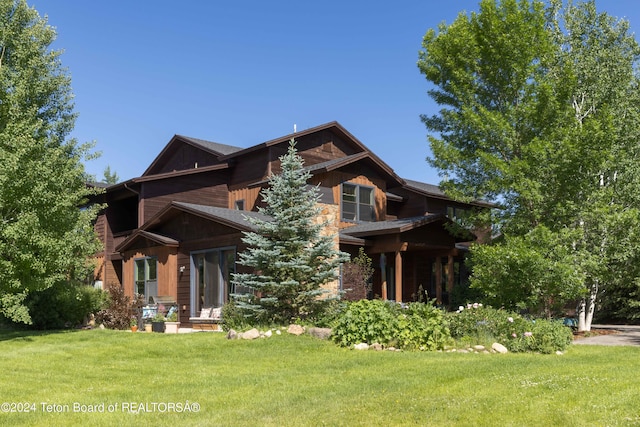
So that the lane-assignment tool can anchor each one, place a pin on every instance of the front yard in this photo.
(104, 377)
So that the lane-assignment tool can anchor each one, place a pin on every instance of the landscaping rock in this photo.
(322, 333)
(376, 346)
(268, 333)
(296, 329)
(479, 348)
(499, 348)
(361, 346)
(559, 353)
(232, 334)
(251, 334)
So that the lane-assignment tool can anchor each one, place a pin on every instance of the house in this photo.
(176, 231)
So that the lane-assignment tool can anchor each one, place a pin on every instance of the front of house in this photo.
(176, 231)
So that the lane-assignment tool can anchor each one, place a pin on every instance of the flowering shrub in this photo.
(478, 323)
(413, 326)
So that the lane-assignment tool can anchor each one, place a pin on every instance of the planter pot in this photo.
(157, 326)
(147, 327)
(134, 328)
(171, 327)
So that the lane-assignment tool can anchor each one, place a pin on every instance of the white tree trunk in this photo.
(586, 308)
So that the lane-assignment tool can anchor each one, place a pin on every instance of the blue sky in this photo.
(244, 72)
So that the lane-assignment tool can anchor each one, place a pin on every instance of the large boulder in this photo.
(322, 333)
(296, 329)
(499, 348)
(251, 334)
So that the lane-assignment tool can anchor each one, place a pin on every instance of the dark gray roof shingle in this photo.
(222, 149)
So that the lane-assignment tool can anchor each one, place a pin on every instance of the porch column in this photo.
(398, 276)
(439, 280)
(450, 276)
(383, 272)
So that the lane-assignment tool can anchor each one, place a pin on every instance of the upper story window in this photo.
(457, 214)
(358, 203)
(239, 205)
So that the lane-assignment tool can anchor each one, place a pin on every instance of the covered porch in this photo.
(415, 259)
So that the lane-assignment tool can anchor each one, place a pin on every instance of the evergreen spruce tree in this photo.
(45, 237)
(290, 255)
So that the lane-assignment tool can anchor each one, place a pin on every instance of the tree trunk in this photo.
(586, 308)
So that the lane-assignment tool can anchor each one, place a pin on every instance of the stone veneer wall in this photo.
(330, 214)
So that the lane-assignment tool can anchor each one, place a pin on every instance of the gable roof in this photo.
(214, 148)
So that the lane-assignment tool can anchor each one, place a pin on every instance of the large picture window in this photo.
(211, 278)
(146, 275)
(358, 203)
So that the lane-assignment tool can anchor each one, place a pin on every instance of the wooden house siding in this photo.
(167, 269)
(183, 157)
(248, 169)
(251, 197)
(204, 189)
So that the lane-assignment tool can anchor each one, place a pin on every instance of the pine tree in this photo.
(290, 255)
(45, 236)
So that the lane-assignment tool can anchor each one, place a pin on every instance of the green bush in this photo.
(234, 317)
(64, 305)
(475, 324)
(413, 326)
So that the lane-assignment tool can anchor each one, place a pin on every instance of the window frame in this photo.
(148, 283)
(358, 204)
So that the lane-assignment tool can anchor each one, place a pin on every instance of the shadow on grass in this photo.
(8, 333)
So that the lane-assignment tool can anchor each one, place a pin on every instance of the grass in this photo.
(295, 381)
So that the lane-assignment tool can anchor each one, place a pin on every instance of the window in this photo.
(357, 203)
(240, 205)
(457, 214)
(211, 278)
(146, 275)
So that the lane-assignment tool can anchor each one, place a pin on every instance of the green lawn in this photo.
(299, 381)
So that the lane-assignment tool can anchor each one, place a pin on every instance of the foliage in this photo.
(45, 236)
(120, 309)
(535, 272)
(110, 177)
(172, 317)
(158, 317)
(416, 326)
(356, 277)
(290, 255)
(478, 324)
(235, 317)
(539, 114)
(64, 305)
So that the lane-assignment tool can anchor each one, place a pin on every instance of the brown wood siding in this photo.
(167, 269)
(251, 197)
(208, 189)
(183, 157)
(249, 169)
(316, 148)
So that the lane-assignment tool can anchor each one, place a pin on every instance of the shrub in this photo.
(478, 324)
(234, 317)
(413, 326)
(119, 311)
(64, 305)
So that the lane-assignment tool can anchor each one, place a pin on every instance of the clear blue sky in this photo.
(243, 72)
